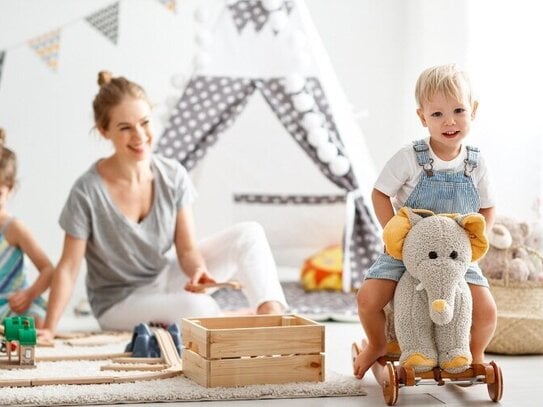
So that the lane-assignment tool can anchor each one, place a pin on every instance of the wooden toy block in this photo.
(260, 349)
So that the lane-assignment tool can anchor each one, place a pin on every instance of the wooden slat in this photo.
(195, 337)
(196, 367)
(16, 383)
(148, 376)
(125, 367)
(72, 380)
(265, 341)
(136, 360)
(266, 370)
(103, 356)
(168, 351)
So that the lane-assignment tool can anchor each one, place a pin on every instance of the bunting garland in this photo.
(171, 5)
(106, 21)
(259, 13)
(47, 47)
(2, 55)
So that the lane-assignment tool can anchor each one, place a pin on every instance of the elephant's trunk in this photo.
(441, 311)
(439, 305)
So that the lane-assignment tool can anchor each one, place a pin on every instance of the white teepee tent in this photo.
(290, 153)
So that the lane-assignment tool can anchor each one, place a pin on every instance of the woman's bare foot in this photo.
(270, 307)
(367, 357)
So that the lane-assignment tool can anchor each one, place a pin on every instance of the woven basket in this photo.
(520, 316)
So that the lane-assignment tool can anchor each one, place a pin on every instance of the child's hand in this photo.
(45, 336)
(20, 301)
(201, 276)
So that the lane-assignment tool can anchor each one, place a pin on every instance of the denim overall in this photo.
(440, 192)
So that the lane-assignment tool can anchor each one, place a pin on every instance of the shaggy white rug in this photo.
(174, 389)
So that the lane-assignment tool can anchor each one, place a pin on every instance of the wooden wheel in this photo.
(495, 390)
(390, 384)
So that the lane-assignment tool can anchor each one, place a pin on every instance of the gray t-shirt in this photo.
(123, 255)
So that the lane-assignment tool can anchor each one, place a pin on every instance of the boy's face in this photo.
(448, 120)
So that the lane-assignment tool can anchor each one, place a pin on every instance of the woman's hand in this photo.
(20, 301)
(200, 276)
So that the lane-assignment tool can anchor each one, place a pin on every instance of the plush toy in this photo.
(322, 271)
(508, 251)
(432, 301)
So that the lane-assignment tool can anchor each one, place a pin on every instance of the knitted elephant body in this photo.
(432, 301)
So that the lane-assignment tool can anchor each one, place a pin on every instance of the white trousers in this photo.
(240, 253)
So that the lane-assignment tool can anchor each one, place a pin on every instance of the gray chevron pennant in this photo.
(106, 21)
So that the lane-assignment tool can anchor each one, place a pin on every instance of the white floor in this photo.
(523, 383)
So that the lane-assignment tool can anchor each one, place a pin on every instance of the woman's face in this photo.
(130, 129)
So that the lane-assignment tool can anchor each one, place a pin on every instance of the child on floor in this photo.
(441, 174)
(16, 241)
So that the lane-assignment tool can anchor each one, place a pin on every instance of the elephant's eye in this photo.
(432, 255)
(453, 255)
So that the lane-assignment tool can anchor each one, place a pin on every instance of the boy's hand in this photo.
(20, 301)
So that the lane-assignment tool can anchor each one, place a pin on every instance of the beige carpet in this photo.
(174, 389)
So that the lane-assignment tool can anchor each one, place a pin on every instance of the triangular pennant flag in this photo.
(106, 21)
(169, 4)
(47, 46)
(2, 55)
(244, 11)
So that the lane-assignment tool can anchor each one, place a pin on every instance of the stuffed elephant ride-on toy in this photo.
(431, 313)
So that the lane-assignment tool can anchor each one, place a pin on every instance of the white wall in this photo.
(378, 47)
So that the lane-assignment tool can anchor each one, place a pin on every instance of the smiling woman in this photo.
(129, 214)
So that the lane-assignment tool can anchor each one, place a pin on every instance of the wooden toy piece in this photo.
(236, 285)
(391, 376)
(20, 334)
(169, 365)
(98, 340)
(139, 366)
(495, 390)
(101, 356)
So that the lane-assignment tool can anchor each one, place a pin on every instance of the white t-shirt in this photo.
(402, 173)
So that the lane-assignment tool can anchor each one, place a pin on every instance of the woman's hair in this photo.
(447, 79)
(8, 163)
(113, 90)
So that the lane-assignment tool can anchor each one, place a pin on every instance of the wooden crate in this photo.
(260, 349)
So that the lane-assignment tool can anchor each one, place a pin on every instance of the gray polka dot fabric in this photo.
(282, 104)
(209, 105)
(289, 199)
(245, 11)
(317, 305)
(106, 21)
(364, 243)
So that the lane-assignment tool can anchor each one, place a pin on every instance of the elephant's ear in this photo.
(397, 229)
(474, 224)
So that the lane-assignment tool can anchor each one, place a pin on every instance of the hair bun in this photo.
(2, 137)
(104, 77)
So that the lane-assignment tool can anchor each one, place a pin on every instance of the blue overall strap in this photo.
(470, 163)
(423, 156)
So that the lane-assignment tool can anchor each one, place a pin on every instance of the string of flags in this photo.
(105, 20)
